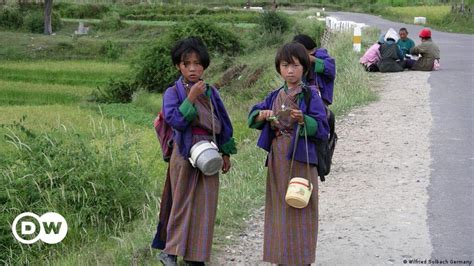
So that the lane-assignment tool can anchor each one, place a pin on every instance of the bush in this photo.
(69, 10)
(314, 29)
(217, 38)
(81, 176)
(34, 21)
(154, 70)
(274, 22)
(11, 17)
(111, 50)
(250, 17)
(111, 21)
(204, 11)
(116, 91)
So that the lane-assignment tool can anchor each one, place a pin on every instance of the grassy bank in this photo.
(437, 17)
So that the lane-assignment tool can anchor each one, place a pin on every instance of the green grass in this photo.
(437, 17)
(430, 12)
(155, 23)
(30, 93)
(78, 73)
(352, 83)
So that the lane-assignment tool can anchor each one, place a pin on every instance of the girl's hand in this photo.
(312, 58)
(227, 164)
(196, 90)
(263, 115)
(297, 115)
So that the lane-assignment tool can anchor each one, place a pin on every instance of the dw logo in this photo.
(50, 228)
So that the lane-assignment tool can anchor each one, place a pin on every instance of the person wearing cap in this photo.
(428, 52)
(404, 42)
(391, 56)
(372, 56)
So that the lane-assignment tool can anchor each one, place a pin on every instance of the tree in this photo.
(461, 7)
(48, 9)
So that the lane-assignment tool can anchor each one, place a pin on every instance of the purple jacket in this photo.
(173, 98)
(316, 110)
(324, 81)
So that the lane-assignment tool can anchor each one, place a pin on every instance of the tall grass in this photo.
(90, 165)
(432, 13)
(352, 85)
(438, 17)
(83, 176)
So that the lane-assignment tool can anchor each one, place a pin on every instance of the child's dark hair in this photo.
(403, 29)
(290, 50)
(185, 47)
(305, 40)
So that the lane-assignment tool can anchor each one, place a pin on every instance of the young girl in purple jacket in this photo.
(187, 109)
(290, 234)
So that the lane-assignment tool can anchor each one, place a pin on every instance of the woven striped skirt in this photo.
(290, 234)
(193, 213)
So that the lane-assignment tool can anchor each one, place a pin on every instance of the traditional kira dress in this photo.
(290, 234)
(190, 224)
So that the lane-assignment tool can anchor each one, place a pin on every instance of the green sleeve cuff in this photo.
(319, 65)
(188, 110)
(251, 120)
(229, 147)
(208, 92)
(311, 126)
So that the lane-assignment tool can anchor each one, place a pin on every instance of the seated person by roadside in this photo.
(404, 42)
(372, 56)
(323, 68)
(391, 56)
(427, 51)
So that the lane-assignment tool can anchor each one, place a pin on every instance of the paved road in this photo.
(450, 205)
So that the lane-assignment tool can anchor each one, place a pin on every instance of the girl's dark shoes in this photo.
(194, 263)
(167, 260)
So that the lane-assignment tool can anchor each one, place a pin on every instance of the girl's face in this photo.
(291, 72)
(191, 68)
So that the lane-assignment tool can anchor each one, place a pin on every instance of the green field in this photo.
(438, 17)
(100, 164)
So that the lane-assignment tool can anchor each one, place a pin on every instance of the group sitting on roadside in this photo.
(395, 52)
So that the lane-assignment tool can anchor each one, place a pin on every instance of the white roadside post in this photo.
(357, 39)
(419, 20)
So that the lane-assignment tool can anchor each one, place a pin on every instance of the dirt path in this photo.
(373, 206)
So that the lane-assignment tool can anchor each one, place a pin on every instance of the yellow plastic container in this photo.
(298, 192)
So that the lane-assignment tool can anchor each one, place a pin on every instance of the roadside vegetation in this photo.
(438, 17)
